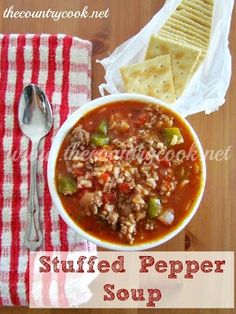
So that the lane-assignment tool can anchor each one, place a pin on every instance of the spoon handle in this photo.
(33, 236)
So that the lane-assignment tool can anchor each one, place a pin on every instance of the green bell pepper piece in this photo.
(99, 140)
(172, 136)
(154, 207)
(103, 128)
(66, 185)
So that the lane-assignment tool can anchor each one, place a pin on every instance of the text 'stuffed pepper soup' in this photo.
(128, 172)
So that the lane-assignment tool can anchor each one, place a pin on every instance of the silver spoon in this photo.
(35, 119)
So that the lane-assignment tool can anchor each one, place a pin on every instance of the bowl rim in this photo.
(52, 158)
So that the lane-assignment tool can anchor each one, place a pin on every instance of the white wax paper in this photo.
(206, 90)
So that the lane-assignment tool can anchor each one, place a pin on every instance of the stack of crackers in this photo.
(174, 54)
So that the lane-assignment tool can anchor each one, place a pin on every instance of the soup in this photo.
(128, 172)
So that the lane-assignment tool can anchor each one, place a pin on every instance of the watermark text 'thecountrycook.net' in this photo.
(85, 13)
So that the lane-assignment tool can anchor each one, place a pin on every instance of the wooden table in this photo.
(213, 226)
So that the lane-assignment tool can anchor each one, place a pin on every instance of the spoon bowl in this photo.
(35, 114)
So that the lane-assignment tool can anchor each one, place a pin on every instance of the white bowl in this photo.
(66, 127)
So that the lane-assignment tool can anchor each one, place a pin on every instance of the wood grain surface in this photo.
(213, 227)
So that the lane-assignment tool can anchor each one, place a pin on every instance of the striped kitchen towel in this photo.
(61, 65)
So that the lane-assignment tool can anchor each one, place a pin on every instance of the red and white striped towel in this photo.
(61, 65)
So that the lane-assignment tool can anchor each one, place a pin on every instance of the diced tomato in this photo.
(141, 119)
(124, 187)
(109, 198)
(105, 176)
(95, 183)
(165, 163)
(78, 172)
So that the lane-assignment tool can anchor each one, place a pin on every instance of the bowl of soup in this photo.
(126, 172)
